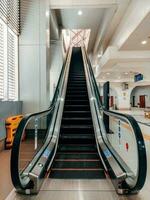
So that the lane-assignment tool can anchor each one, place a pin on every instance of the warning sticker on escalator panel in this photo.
(46, 153)
(107, 153)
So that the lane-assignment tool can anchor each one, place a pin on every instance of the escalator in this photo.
(69, 140)
(77, 155)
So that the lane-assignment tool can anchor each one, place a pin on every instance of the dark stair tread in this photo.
(79, 136)
(77, 114)
(78, 174)
(77, 96)
(78, 118)
(74, 126)
(77, 164)
(66, 138)
(80, 100)
(77, 105)
(76, 148)
(76, 111)
(77, 85)
(77, 91)
(77, 156)
(76, 88)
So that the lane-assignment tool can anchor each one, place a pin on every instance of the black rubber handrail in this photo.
(142, 170)
(15, 175)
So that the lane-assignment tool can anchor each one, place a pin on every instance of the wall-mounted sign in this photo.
(138, 77)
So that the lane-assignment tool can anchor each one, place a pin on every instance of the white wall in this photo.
(33, 52)
(122, 99)
(141, 90)
(56, 65)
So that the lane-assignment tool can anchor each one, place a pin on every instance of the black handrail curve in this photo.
(15, 175)
(142, 160)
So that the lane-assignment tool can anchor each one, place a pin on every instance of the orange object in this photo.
(11, 124)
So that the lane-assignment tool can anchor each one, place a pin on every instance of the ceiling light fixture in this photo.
(108, 73)
(99, 55)
(47, 13)
(80, 12)
(144, 42)
(126, 73)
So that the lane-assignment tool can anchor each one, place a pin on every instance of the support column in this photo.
(106, 105)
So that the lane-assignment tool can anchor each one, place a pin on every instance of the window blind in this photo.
(12, 64)
(9, 12)
(1, 61)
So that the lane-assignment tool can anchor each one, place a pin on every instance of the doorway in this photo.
(133, 101)
(142, 101)
(111, 101)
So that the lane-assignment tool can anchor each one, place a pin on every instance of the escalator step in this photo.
(77, 164)
(77, 129)
(77, 148)
(77, 107)
(76, 93)
(77, 114)
(78, 174)
(77, 156)
(77, 138)
(76, 88)
(77, 102)
(77, 85)
(77, 121)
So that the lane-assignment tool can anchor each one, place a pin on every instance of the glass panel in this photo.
(123, 141)
(33, 139)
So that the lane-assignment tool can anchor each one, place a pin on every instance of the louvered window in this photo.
(9, 30)
(1, 61)
(12, 65)
(9, 12)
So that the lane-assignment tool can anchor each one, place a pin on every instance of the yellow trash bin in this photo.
(11, 124)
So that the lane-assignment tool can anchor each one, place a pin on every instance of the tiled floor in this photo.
(77, 189)
(5, 178)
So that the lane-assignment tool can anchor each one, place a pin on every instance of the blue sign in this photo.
(138, 77)
(107, 153)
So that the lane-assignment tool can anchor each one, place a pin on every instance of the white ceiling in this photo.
(91, 19)
(142, 32)
(124, 72)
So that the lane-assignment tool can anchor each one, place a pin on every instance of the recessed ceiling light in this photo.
(126, 73)
(103, 77)
(119, 77)
(99, 55)
(108, 73)
(80, 12)
(144, 42)
(47, 13)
